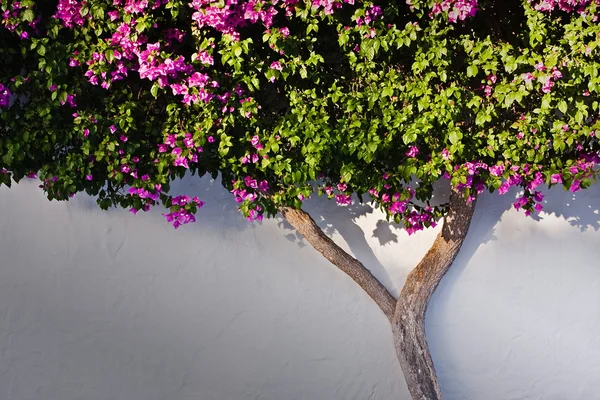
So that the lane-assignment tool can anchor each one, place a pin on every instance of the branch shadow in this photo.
(580, 210)
(335, 220)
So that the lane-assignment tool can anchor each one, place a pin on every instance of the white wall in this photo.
(107, 305)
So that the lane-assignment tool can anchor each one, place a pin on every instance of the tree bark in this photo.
(304, 224)
(408, 324)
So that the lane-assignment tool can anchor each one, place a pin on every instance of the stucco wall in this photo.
(107, 305)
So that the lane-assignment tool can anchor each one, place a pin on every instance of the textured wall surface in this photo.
(107, 305)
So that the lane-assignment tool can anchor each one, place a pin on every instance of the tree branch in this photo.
(408, 324)
(304, 224)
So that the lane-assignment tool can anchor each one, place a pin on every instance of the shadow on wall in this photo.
(509, 320)
(102, 305)
(505, 322)
(580, 210)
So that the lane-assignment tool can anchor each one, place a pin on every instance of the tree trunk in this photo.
(304, 224)
(408, 319)
(408, 324)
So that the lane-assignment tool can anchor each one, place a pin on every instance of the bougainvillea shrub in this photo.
(287, 99)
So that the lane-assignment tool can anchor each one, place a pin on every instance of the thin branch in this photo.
(304, 224)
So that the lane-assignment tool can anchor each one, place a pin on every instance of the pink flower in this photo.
(487, 90)
(528, 77)
(343, 199)
(89, 177)
(205, 58)
(188, 142)
(540, 66)
(263, 186)
(503, 189)
(342, 187)
(112, 129)
(211, 139)
(575, 186)
(520, 202)
(276, 65)
(547, 86)
(496, 170)
(285, 31)
(181, 162)
(171, 140)
(556, 74)
(556, 178)
(250, 182)
(479, 187)
(413, 151)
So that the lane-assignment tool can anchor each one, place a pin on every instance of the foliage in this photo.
(283, 98)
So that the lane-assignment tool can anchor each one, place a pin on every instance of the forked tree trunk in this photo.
(408, 324)
(408, 319)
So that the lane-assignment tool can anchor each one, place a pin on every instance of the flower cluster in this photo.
(4, 96)
(528, 177)
(127, 50)
(457, 10)
(371, 14)
(343, 198)
(547, 77)
(183, 208)
(246, 191)
(146, 194)
(399, 205)
(184, 152)
(20, 18)
(69, 13)
(563, 5)
(226, 17)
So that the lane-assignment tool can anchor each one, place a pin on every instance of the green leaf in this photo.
(472, 70)
(28, 15)
(562, 106)
(409, 137)
(455, 136)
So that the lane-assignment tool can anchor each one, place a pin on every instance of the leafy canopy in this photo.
(282, 98)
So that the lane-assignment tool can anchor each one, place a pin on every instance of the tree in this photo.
(366, 101)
